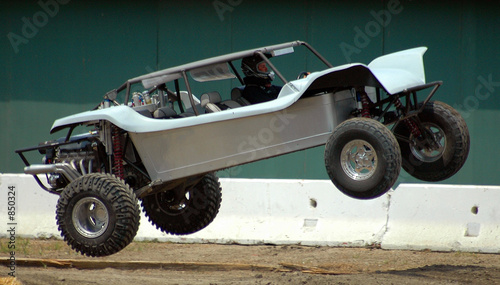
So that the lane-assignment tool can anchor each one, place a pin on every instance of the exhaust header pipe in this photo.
(63, 168)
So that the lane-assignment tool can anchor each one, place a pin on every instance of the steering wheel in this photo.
(303, 74)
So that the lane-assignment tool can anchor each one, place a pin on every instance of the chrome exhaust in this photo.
(63, 168)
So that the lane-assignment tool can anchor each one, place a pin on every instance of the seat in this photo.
(229, 104)
(237, 96)
(211, 101)
(187, 104)
(145, 113)
(164, 113)
(186, 114)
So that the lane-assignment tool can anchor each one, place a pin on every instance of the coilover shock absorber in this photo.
(118, 168)
(410, 124)
(365, 104)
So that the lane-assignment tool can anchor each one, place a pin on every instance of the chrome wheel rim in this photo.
(427, 152)
(90, 217)
(359, 160)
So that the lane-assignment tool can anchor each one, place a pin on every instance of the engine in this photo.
(82, 154)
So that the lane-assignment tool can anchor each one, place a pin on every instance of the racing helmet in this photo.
(250, 67)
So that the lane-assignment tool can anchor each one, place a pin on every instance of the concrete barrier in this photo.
(290, 212)
(444, 218)
(307, 212)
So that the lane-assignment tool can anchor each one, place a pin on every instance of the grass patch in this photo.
(9, 281)
(34, 247)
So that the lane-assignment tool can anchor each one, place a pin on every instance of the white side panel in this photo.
(307, 123)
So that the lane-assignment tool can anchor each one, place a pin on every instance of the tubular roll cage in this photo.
(181, 71)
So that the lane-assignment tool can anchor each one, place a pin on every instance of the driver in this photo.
(258, 87)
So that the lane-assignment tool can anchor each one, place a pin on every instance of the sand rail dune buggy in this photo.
(163, 145)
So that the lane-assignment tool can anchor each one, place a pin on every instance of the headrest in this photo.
(210, 97)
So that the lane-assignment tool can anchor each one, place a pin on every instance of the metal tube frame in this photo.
(183, 69)
(190, 94)
(410, 109)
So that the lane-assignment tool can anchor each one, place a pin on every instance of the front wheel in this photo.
(362, 158)
(443, 148)
(98, 214)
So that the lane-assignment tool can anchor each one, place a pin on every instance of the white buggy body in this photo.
(281, 126)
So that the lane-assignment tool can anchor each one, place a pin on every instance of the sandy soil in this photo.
(167, 263)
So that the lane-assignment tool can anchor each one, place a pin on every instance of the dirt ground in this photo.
(53, 262)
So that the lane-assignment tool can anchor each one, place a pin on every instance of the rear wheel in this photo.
(185, 211)
(362, 158)
(443, 149)
(98, 214)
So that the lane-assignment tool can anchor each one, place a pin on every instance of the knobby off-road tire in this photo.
(98, 214)
(198, 210)
(444, 160)
(362, 158)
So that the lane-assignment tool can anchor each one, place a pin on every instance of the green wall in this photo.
(60, 57)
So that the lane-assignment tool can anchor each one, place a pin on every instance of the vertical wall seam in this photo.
(383, 29)
(158, 36)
